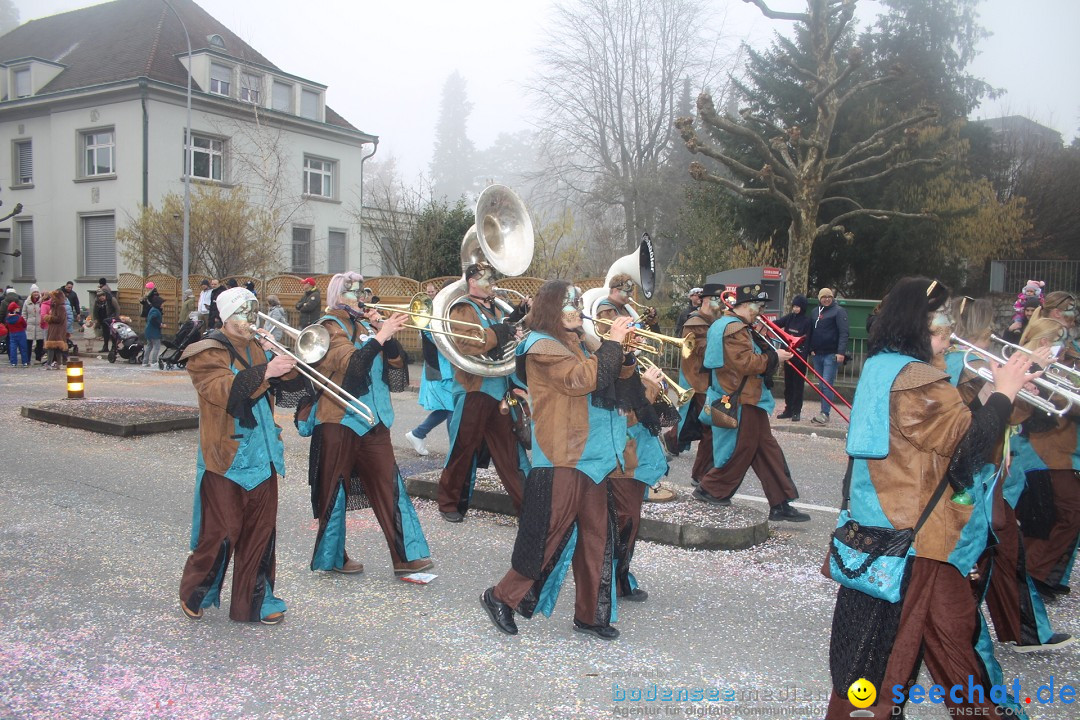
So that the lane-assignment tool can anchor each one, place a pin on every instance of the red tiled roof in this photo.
(124, 40)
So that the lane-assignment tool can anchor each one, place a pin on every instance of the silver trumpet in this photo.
(312, 343)
(1033, 399)
(1067, 377)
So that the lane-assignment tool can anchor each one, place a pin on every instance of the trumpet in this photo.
(420, 309)
(684, 394)
(686, 344)
(1033, 399)
(312, 343)
(1067, 377)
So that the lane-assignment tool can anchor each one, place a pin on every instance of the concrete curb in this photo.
(180, 418)
(683, 535)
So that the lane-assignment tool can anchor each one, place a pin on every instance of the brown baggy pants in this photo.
(574, 497)
(1008, 585)
(755, 447)
(937, 625)
(481, 422)
(629, 494)
(235, 523)
(1047, 559)
(370, 456)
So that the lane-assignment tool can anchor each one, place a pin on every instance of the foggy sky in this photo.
(385, 62)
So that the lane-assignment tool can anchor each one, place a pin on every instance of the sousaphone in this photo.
(503, 238)
(640, 265)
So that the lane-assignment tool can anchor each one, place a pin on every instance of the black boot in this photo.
(784, 511)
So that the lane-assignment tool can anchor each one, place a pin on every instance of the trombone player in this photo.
(351, 463)
(477, 421)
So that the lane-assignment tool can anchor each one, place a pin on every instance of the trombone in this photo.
(1033, 399)
(420, 309)
(1057, 372)
(685, 344)
(312, 343)
(684, 393)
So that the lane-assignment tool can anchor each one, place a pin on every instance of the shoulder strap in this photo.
(224, 340)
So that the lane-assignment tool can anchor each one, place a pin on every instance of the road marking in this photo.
(800, 505)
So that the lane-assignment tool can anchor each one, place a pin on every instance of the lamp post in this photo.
(187, 159)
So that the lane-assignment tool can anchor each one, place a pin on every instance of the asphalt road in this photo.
(93, 535)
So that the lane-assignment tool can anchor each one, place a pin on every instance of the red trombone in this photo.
(792, 344)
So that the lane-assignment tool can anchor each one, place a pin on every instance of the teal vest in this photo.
(954, 366)
(723, 439)
(603, 450)
(496, 387)
(378, 395)
(259, 448)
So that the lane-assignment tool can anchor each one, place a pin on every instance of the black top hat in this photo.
(750, 293)
(713, 290)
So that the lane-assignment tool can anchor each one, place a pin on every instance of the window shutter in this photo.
(25, 231)
(26, 163)
(99, 245)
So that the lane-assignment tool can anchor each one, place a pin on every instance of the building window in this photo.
(24, 162)
(301, 250)
(309, 104)
(207, 158)
(220, 79)
(281, 98)
(250, 88)
(216, 40)
(24, 241)
(99, 153)
(99, 245)
(336, 251)
(23, 88)
(318, 177)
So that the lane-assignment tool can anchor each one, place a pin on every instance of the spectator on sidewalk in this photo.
(35, 323)
(828, 342)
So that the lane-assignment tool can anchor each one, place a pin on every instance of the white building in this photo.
(92, 118)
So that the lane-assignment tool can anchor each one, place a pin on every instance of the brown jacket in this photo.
(560, 379)
(485, 341)
(698, 377)
(927, 420)
(335, 363)
(741, 361)
(208, 364)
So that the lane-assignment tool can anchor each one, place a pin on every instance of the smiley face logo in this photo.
(862, 693)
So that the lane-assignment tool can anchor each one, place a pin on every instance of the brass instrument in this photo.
(1067, 377)
(684, 394)
(686, 344)
(503, 236)
(1033, 399)
(312, 343)
(420, 309)
(640, 265)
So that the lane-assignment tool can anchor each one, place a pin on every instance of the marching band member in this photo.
(240, 458)
(437, 388)
(578, 441)
(911, 438)
(739, 361)
(477, 421)
(352, 461)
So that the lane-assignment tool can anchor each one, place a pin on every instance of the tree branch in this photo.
(886, 172)
(707, 112)
(776, 15)
(844, 75)
(862, 145)
(872, 213)
(698, 172)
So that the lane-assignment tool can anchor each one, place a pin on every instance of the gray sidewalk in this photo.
(93, 536)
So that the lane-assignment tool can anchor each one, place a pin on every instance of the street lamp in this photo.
(187, 159)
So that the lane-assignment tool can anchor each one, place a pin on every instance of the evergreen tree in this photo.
(453, 161)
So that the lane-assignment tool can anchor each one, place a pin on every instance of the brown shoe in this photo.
(418, 565)
(350, 567)
(193, 614)
(273, 618)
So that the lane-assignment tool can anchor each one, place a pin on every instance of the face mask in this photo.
(351, 294)
(246, 313)
(942, 322)
(573, 304)
(755, 307)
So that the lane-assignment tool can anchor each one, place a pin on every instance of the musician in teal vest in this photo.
(351, 461)
(437, 388)
(478, 429)
(911, 432)
(740, 361)
(240, 458)
(579, 437)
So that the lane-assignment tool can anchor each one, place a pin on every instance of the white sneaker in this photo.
(417, 443)
(820, 419)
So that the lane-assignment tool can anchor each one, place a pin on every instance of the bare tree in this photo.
(610, 75)
(805, 167)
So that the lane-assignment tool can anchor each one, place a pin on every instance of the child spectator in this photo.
(1033, 289)
(16, 327)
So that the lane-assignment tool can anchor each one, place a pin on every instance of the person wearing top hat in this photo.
(739, 360)
(310, 305)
